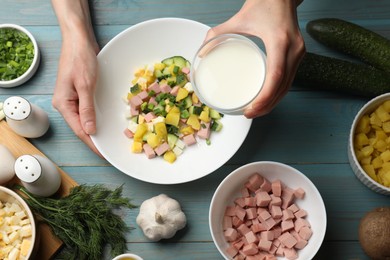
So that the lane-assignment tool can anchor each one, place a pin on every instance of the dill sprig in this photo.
(84, 220)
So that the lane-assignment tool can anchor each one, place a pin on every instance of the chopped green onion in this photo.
(135, 89)
(16, 53)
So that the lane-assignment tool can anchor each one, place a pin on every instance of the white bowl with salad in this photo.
(150, 123)
(19, 55)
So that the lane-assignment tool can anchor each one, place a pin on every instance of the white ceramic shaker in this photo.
(24, 118)
(38, 174)
(7, 161)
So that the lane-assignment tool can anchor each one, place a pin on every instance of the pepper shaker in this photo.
(24, 118)
(38, 175)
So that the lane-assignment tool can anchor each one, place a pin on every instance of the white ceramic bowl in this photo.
(230, 189)
(128, 256)
(368, 108)
(7, 195)
(139, 45)
(34, 65)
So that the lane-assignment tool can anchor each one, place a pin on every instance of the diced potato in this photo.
(363, 126)
(382, 114)
(195, 99)
(369, 169)
(386, 127)
(380, 145)
(186, 130)
(25, 247)
(366, 160)
(377, 162)
(170, 156)
(375, 120)
(181, 94)
(361, 140)
(139, 133)
(205, 116)
(161, 130)
(367, 150)
(136, 147)
(385, 156)
(172, 119)
(153, 140)
(386, 106)
(193, 121)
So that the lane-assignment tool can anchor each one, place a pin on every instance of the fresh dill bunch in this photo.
(84, 220)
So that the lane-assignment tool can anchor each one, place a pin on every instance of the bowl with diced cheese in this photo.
(17, 226)
(369, 144)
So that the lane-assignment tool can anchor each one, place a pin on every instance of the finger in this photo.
(87, 110)
(273, 84)
(72, 119)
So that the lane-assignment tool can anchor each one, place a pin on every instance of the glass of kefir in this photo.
(228, 72)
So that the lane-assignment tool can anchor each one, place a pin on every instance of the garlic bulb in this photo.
(160, 217)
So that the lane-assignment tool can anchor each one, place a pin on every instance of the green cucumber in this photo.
(172, 139)
(321, 72)
(352, 39)
(177, 60)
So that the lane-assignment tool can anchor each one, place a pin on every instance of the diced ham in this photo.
(243, 229)
(256, 228)
(264, 215)
(236, 222)
(262, 199)
(155, 87)
(290, 253)
(287, 225)
(143, 95)
(232, 251)
(264, 244)
(276, 187)
(189, 139)
(287, 214)
(204, 132)
(275, 201)
(230, 234)
(267, 235)
(305, 233)
(301, 213)
(244, 192)
(266, 185)
(255, 181)
(294, 208)
(250, 202)
(149, 117)
(251, 213)
(230, 211)
(227, 222)
(299, 193)
(153, 101)
(251, 237)
(300, 244)
(162, 148)
(240, 213)
(175, 90)
(238, 244)
(276, 212)
(287, 240)
(240, 202)
(300, 223)
(128, 133)
(270, 223)
(250, 249)
(185, 70)
(149, 152)
(135, 101)
(165, 88)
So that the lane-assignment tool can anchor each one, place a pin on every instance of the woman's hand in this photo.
(275, 22)
(77, 69)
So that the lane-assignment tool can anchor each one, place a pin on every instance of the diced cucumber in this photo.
(177, 60)
(177, 151)
(214, 114)
(188, 102)
(172, 139)
(158, 73)
(216, 126)
(145, 137)
(180, 144)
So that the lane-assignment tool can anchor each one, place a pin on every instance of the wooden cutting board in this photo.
(49, 244)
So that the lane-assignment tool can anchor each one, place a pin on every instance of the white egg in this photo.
(7, 161)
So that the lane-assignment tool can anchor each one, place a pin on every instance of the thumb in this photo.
(87, 113)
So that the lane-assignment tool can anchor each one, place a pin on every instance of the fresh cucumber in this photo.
(352, 39)
(179, 61)
(321, 72)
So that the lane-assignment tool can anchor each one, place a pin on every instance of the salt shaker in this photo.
(24, 118)
(7, 161)
(38, 174)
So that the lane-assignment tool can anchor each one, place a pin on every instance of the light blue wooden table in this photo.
(308, 130)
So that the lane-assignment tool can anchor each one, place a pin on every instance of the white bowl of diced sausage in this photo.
(369, 144)
(267, 209)
(17, 227)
